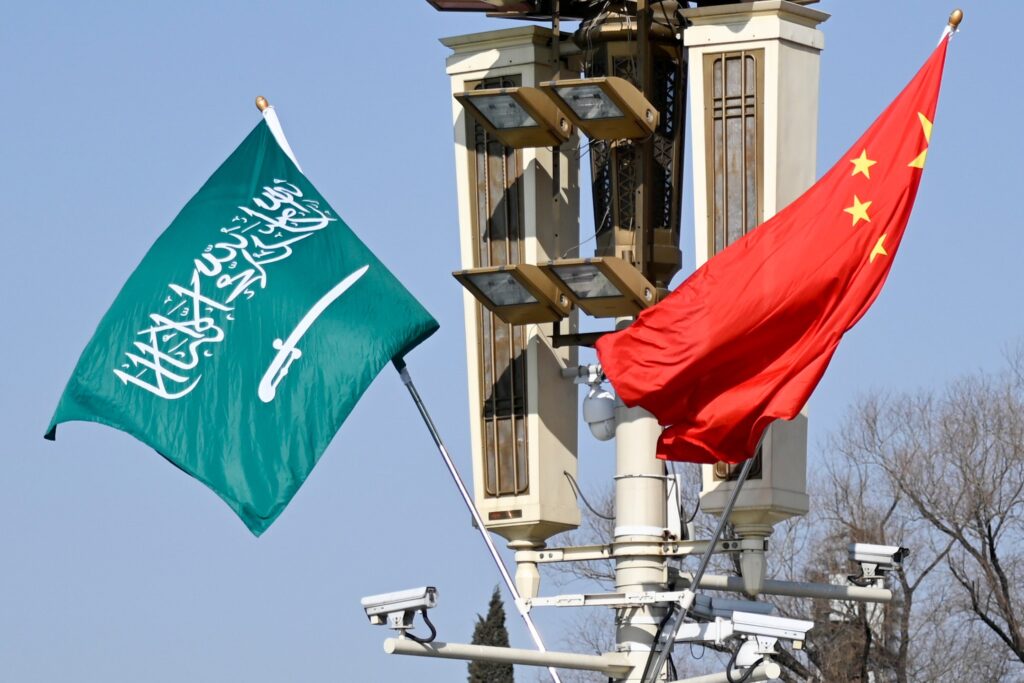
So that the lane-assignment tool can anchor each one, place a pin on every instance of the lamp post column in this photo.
(640, 522)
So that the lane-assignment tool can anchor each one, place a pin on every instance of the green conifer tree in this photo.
(490, 630)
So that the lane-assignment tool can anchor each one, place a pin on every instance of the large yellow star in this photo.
(859, 210)
(862, 164)
(879, 249)
(926, 126)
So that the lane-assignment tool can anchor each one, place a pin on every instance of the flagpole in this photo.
(403, 371)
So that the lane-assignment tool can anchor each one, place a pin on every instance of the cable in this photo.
(693, 515)
(672, 24)
(862, 580)
(703, 651)
(746, 676)
(576, 488)
(577, 246)
(433, 631)
(585, 149)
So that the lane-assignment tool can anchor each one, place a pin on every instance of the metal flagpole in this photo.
(403, 371)
(667, 633)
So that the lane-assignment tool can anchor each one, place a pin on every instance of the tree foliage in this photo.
(490, 630)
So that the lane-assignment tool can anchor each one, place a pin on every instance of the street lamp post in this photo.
(752, 69)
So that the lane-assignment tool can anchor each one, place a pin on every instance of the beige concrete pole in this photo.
(639, 516)
(640, 510)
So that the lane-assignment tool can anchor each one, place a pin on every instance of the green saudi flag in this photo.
(245, 337)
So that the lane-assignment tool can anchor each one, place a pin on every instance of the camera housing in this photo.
(763, 629)
(397, 609)
(753, 624)
(599, 412)
(883, 557)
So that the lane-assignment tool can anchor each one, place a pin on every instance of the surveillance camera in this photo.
(753, 624)
(599, 412)
(763, 629)
(398, 609)
(883, 557)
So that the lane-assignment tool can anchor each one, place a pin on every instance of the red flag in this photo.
(747, 337)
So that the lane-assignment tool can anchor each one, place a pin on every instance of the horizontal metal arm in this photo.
(619, 600)
(590, 553)
(798, 589)
(610, 664)
(763, 672)
(824, 591)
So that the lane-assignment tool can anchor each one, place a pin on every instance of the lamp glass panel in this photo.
(502, 111)
(589, 102)
(587, 281)
(502, 289)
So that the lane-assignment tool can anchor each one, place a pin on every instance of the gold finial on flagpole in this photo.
(262, 104)
(955, 18)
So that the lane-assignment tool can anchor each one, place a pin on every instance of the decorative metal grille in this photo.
(735, 141)
(498, 227)
(617, 167)
(670, 101)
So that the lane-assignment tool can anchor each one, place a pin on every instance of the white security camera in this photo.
(883, 557)
(398, 609)
(753, 624)
(599, 412)
(379, 606)
(759, 633)
(746, 625)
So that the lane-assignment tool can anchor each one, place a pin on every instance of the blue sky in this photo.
(116, 566)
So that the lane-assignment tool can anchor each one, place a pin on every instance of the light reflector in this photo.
(603, 287)
(606, 108)
(518, 117)
(589, 102)
(502, 111)
(519, 294)
(481, 5)
(586, 281)
(501, 288)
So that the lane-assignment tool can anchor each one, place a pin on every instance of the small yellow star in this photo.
(862, 164)
(879, 249)
(859, 210)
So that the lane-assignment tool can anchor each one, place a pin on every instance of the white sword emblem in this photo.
(286, 351)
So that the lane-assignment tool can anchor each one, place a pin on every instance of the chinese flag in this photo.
(747, 337)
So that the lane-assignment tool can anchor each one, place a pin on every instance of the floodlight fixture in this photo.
(603, 286)
(518, 116)
(481, 5)
(519, 294)
(605, 108)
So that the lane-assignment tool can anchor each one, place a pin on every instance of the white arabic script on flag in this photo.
(165, 360)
